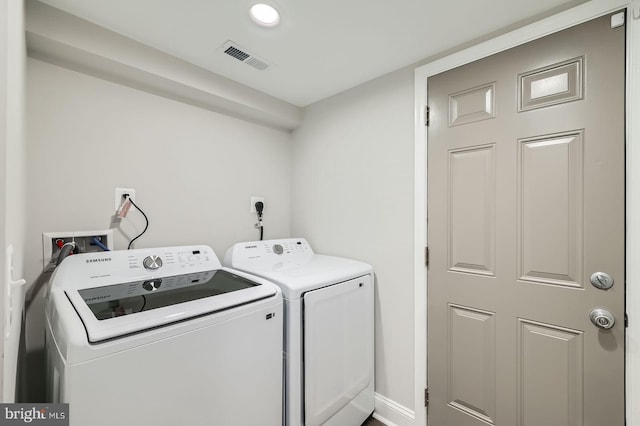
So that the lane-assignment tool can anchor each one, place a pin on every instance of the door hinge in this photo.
(427, 114)
(626, 320)
(426, 256)
(426, 397)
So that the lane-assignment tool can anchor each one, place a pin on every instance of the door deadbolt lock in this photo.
(602, 318)
(601, 280)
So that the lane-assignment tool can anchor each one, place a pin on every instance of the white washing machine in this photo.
(329, 347)
(163, 336)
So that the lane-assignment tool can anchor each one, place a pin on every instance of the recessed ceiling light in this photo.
(264, 15)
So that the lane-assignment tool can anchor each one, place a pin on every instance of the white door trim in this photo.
(568, 18)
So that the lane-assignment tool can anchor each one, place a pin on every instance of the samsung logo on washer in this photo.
(39, 414)
(98, 259)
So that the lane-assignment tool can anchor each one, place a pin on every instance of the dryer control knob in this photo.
(152, 262)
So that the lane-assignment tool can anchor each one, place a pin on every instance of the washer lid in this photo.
(110, 311)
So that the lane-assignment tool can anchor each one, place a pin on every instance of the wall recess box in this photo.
(84, 241)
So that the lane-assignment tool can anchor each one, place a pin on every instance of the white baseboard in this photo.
(391, 413)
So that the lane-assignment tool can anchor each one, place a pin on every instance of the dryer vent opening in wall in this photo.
(232, 49)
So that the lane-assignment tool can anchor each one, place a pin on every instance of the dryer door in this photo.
(338, 347)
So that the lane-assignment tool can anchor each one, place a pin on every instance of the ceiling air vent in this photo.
(232, 49)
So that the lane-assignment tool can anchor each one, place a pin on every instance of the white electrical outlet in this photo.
(254, 200)
(118, 196)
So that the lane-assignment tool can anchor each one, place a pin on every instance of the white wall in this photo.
(15, 130)
(193, 170)
(12, 143)
(194, 178)
(352, 196)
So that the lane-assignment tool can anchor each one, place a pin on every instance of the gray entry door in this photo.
(526, 201)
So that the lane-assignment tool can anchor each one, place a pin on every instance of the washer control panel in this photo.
(151, 265)
(173, 258)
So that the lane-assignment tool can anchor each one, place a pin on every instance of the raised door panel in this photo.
(472, 362)
(551, 85)
(471, 223)
(550, 370)
(550, 212)
(471, 105)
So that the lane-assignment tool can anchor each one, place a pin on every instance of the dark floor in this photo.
(372, 422)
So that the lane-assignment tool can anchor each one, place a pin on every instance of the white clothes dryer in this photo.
(163, 337)
(329, 346)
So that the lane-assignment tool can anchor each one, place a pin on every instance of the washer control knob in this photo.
(152, 262)
(277, 249)
(152, 285)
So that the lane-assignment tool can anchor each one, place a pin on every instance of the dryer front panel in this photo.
(338, 348)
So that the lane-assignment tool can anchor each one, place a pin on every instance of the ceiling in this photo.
(321, 47)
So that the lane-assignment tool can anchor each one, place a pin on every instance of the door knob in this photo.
(602, 318)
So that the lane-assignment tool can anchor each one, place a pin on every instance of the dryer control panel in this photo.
(269, 252)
